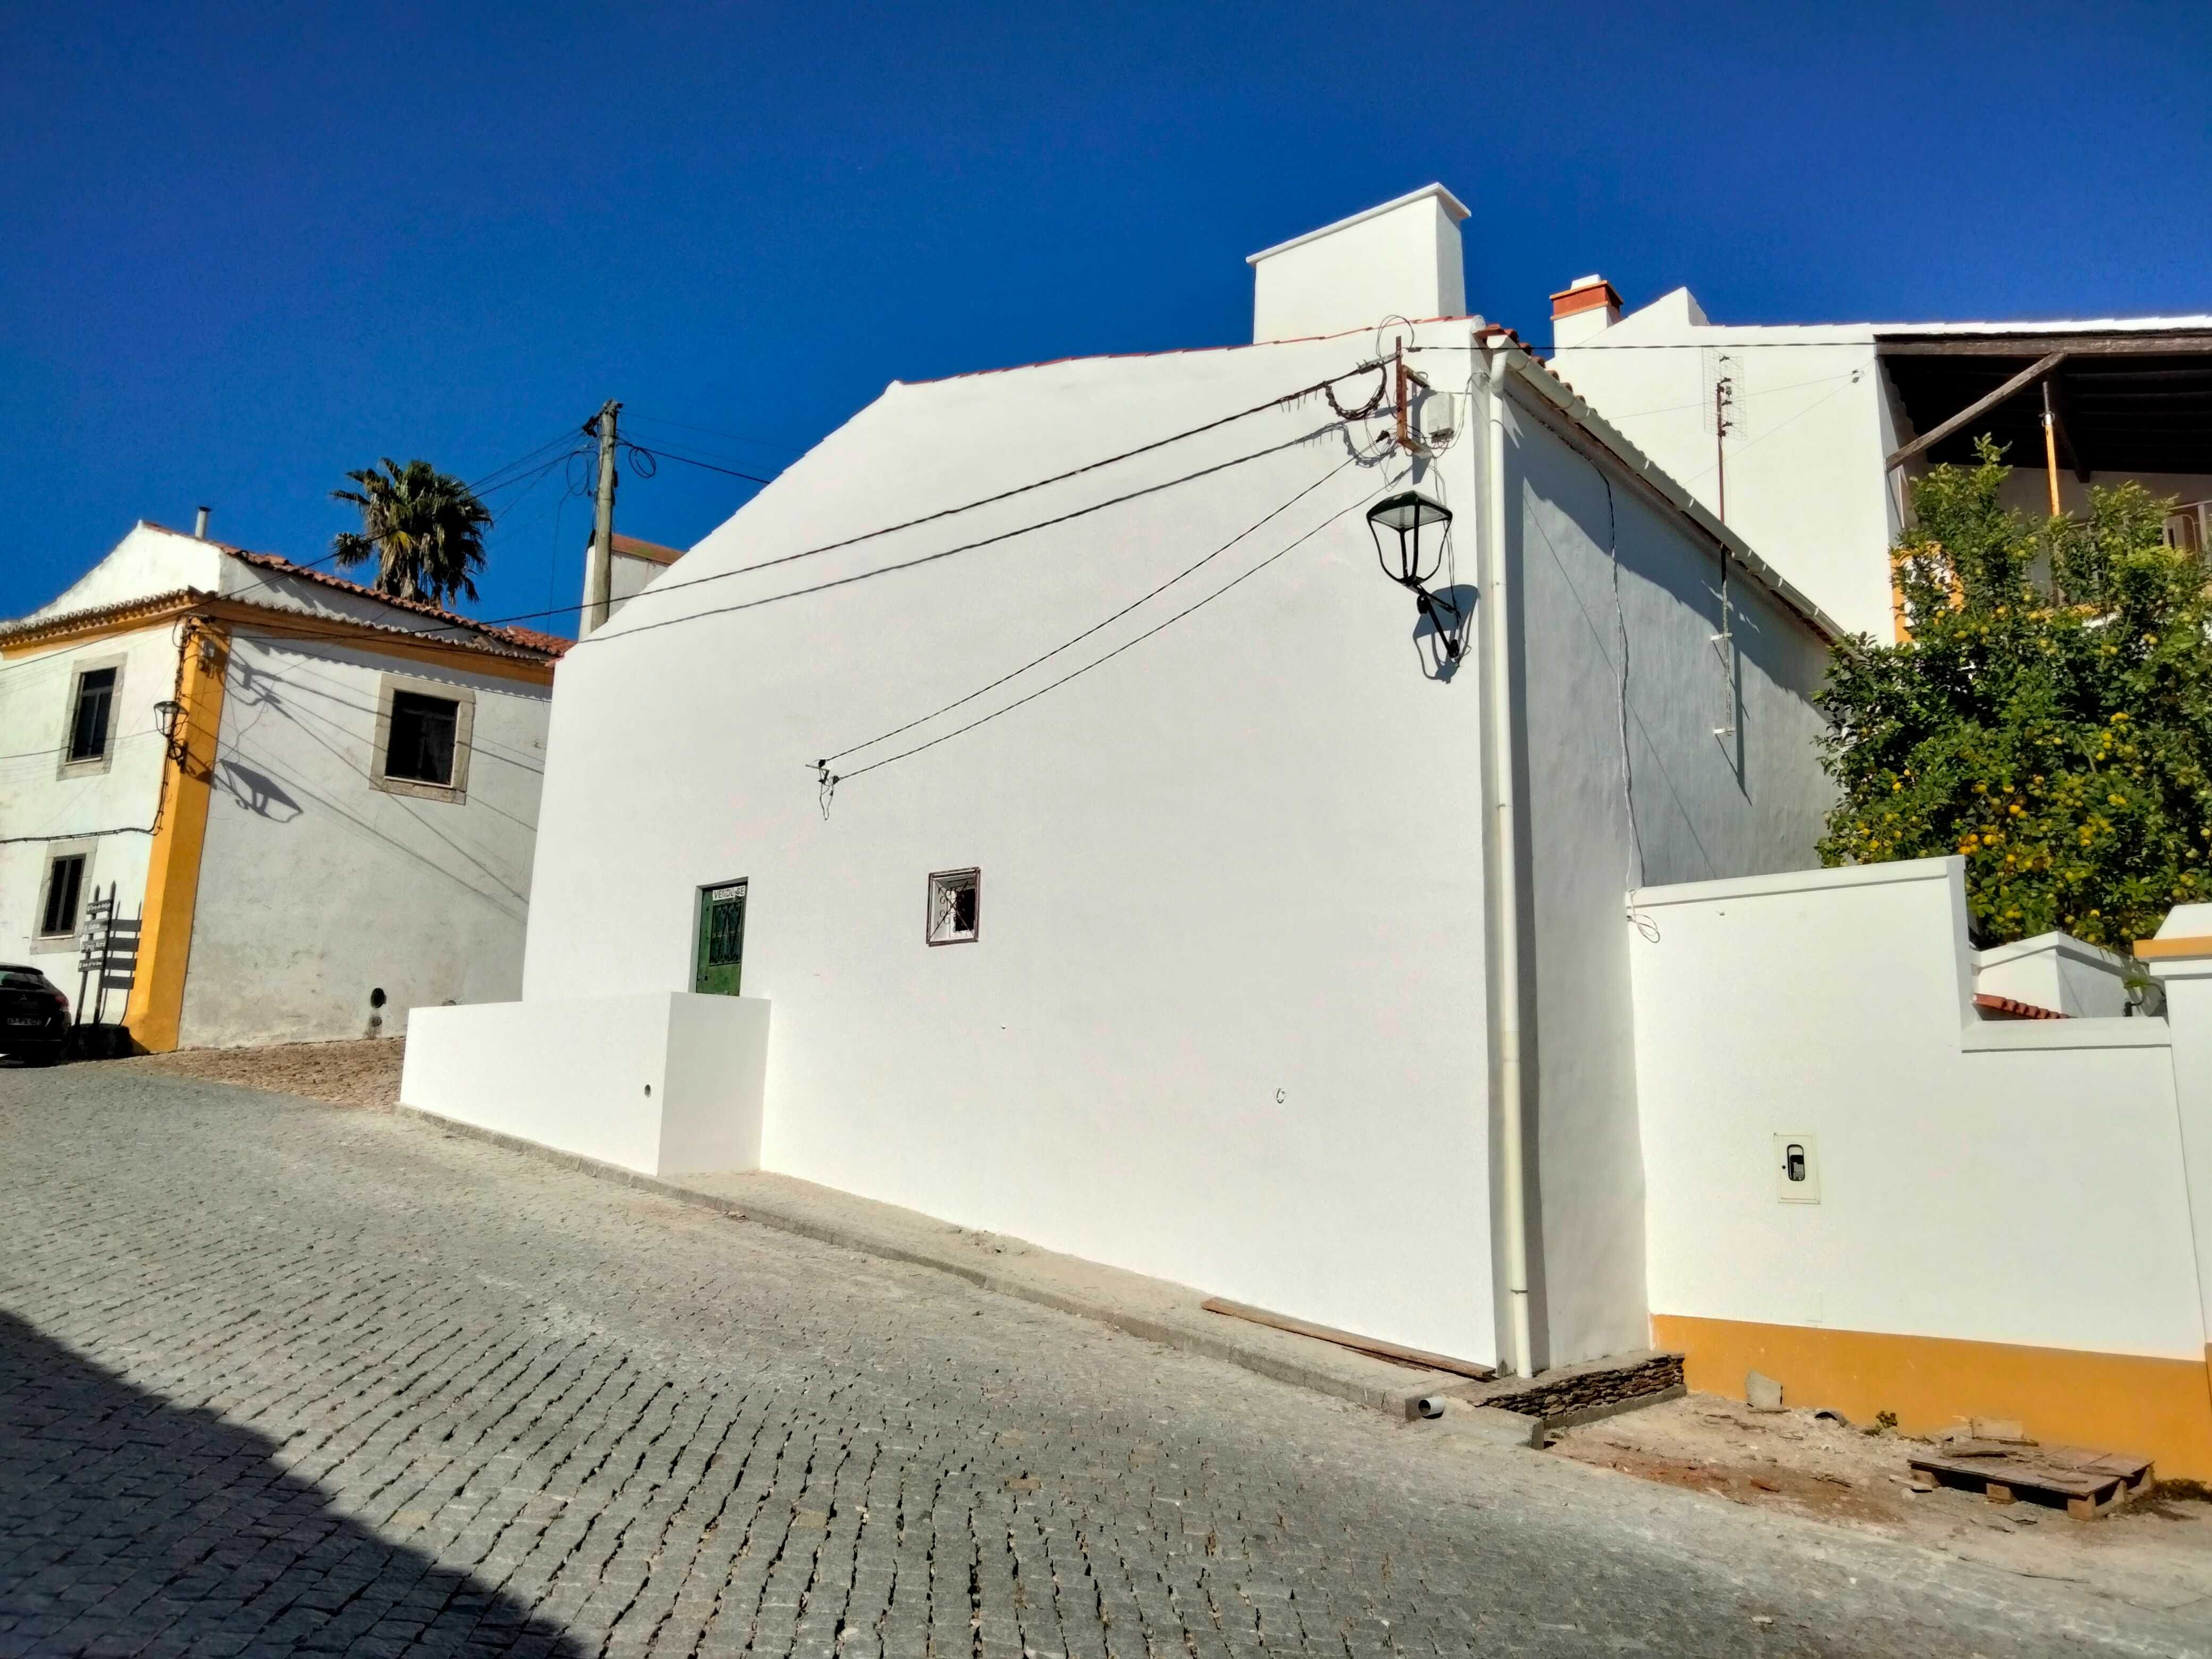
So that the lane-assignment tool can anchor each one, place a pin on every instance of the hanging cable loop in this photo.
(1382, 390)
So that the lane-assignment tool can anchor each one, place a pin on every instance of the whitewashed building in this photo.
(1038, 808)
(286, 807)
(1804, 436)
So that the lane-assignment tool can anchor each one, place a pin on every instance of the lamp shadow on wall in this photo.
(111, 1480)
(1439, 651)
(256, 791)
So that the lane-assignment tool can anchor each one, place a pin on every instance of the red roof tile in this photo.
(1999, 1007)
(526, 638)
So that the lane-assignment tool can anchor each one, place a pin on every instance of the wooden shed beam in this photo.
(2027, 377)
(2079, 345)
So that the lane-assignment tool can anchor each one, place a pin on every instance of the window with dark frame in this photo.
(956, 898)
(64, 887)
(88, 723)
(421, 747)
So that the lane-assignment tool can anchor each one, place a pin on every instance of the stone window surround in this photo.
(43, 944)
(106, 757)
(465, 720)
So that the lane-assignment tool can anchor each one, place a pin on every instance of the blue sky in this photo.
(249, 248)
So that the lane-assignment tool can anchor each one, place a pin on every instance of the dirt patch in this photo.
(2155, 1553)
(361, 1073)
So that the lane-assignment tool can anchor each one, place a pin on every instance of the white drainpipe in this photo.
(1504, 865)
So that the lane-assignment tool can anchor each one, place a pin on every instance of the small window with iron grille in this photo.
(955, 901)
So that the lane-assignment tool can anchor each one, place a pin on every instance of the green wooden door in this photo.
(721, 939)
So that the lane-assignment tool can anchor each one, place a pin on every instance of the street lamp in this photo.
(1420, 527)
(1410, 515)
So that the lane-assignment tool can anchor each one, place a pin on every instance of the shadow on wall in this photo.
(200, 1533)
(1441, 631)
(256, 791)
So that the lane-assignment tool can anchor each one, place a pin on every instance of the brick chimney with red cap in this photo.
(1583, 310)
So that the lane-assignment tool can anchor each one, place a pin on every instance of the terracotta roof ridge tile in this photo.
(528, 638)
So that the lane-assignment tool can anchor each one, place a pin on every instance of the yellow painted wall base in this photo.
(2156, 1408)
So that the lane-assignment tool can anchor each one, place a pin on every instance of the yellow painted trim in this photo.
(2156, 1408)
(42, 641)
(157, 1008)
(2151, 949)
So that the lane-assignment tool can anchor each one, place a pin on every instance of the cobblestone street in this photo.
(277, 1376)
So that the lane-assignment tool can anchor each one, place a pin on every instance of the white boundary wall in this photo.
(2011, 1183)
(662, 1083)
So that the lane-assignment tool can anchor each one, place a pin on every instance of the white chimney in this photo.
(199, 524)
(1401, 260)
(1581, 311)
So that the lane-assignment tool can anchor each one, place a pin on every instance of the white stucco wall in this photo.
(111, 809)
(317, 887)
(664, 1083)
(1805, 454)
(2015, 1183)
(1225, 1022)
(1704, 806)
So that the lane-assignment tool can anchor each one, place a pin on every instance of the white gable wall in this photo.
(1225, 1022)
(149, 561)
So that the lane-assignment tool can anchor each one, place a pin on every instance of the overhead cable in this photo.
(1064, 645)
(1077, 673)
(1285, 400)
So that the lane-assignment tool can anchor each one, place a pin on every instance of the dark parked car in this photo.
(33, 1014)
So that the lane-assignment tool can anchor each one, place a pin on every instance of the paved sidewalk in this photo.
(278, 1377)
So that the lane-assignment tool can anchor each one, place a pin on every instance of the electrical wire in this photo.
(1064, 645)
(1074, 674)
(1706, 402)
(494, 623)
(711, 432)
(691, 460)
(1666, 345)
(79, 835)
(1752, 443)
(923, 559)
(1286, 399)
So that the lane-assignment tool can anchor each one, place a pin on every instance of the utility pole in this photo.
(599, 569)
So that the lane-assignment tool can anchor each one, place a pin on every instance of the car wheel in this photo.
(45, 1056)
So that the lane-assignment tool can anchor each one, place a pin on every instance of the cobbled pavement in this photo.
(276, 1377)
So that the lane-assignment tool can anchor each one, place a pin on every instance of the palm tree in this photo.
(424, 529)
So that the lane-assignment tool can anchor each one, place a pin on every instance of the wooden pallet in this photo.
(2089, 1483)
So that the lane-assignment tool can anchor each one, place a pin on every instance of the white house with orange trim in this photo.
(310, 808)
